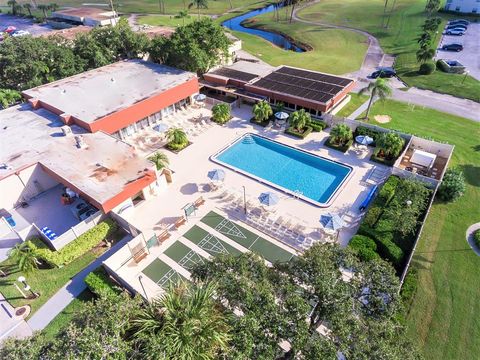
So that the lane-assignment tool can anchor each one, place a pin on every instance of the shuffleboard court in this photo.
(208, 242)
(161, 273)
(246, 238)
(184, 256)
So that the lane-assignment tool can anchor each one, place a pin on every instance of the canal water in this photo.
(276, 39)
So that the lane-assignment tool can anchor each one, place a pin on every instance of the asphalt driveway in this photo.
(470, 56)
(23, 24)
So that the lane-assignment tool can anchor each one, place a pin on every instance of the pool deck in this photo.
(190, 180)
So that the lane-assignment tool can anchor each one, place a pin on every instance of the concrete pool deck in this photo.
(190, 180)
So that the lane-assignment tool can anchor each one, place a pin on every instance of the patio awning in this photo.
(423, 158)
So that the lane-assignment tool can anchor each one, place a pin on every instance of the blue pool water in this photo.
(290, 169)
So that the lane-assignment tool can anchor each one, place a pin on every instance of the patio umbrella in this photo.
(216, 175)
(268, 198)
(200, 97)
(364, 139)
(162, 127)
(332, 222)
(281, 115)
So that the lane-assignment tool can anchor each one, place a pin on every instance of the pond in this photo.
(275, 38)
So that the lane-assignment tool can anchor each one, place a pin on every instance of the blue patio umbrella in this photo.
(268, 198)
(364, 139)
(281, 115)
(162, 127)
(200, 97)
(332, 222)
(216, 175)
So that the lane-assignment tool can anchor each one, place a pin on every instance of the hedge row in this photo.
(100, 283)
(302, 135)
(343, 148)
(364, 247)
(261, 123)
(85, 242)
(409, 287)
(318, 125)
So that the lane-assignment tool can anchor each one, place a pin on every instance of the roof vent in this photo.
(4, 166)
(66, 130)
(112, 79)
(64, 91)
(81, 144)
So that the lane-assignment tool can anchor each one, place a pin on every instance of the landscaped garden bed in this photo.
(393, 221)
(341, 138)
(301, 135)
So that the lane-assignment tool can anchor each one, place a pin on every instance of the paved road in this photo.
(71, 290)
(23, 24)
(470, 56)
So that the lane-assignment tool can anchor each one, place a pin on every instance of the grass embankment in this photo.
(355, 102)
(398, 39)
(444, 315)
(333, 51)
(165, 20)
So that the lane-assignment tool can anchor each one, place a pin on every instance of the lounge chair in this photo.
(199, 202)
(180, 221)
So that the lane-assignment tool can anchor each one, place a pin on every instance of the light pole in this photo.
(466, 73)
(27, 287)
(244, 200)
(140, 277)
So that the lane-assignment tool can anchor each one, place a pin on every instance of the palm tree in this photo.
(13, 4)
(341, 134)
(184, 323)
(221, 113)
(391, 144)
(425, 54)
(53, 7)
(160, 160)
(425, 39)
(262, 111)
(379, 88)
(177, 135)
(28, 7)
(182, 14)
(199, 4)
(44, 9)
(24, 256)
(300, 119)
(293, 3)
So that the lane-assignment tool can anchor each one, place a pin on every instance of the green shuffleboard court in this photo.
(161, 273)
(183, 255)
(246, 238)
(211, 244)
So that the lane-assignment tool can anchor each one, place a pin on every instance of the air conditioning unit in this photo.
(66, 130)
(81, 144)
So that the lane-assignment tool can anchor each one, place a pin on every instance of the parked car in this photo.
(383, 73)
(459, 21)
(20, 33)
(460, 27)
(10, 29)
(452, 47)
(455, 32)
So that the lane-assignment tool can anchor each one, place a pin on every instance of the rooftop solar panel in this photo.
(234, 74)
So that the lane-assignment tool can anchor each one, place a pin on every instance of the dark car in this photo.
(459, 21)
(453, 47)
(383, 73)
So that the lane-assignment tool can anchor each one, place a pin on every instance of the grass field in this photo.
(354, 103)
(398, 39)
(334, 51)
(62, 320)
(165, 20)
(444, 315)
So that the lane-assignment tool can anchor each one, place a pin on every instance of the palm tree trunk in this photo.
(384, 12)
(390, 15)
(369, 104)
(291, 13)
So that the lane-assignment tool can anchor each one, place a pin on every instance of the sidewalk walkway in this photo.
(361, 109)
(71, 290)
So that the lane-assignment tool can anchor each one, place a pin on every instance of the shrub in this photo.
(441, 65)
(340, 134)
(388, 250)
(299, 120)
(263, 123)
(452, 186)
(389, 145)
(85, 242)
(221, 113)
(318, 125)
(409, 287)
(100, 283)
(427, 68)
(177, 139)
(302, 135)
(476, 238)
(342, 148)
(388, 189)
(262, 111)
(364, 247)
(373, 214)
(363, 130)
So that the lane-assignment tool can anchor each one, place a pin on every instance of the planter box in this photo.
(291, 131)
(450, 66)
(342, 149)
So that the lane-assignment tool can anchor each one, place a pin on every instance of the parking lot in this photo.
(470, 55)
(22, 24)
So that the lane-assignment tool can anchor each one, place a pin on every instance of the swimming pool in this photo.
(294, 171)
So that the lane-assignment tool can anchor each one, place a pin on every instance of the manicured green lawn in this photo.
(165, 20)
(444, 315)
(334, 51)
(355, 101)
(45, 281)
(61, 321)
(398, 38)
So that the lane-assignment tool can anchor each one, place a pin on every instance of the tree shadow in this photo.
(476, 148)
(472, 174)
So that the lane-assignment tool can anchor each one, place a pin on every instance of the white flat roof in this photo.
(101, 171)
(96, 93)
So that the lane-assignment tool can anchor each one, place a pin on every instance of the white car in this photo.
(20, 33)
(455, 32)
